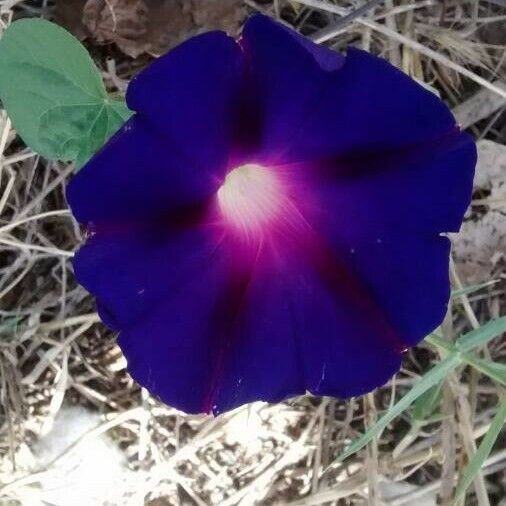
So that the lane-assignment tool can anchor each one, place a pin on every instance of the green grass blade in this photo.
(439, 342)
(482, 335)
(433, 377)
(471, 289)
(427, 404)
(475, 464)
(493, 370)
(8, 325)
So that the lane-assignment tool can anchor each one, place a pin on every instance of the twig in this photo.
(14, 224)
(448, 427)
(328, 32)
(372, 451)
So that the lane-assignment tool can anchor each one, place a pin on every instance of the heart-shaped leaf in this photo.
(54, 93)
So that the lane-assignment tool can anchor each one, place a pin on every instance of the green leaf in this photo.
(77, 132)
(482, 335)
(118, 111)
(54, 93)
(427, 403)
(476, 463)
(433, 377)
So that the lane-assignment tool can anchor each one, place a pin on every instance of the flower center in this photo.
(251, 198)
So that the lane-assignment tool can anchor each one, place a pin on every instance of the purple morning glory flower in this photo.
(270, 220)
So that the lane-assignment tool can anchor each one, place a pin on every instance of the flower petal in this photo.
(189, 95)
(132, 273)
(286, 81)
(408, 278)
(419, 192)
(361, 104)
(301, 104)
(173, 351)
(137, 176)
(262, 358)
(368, 105)
(348, 349)
(326, 58)
(298, 334)
(203, 335)
(386, 225)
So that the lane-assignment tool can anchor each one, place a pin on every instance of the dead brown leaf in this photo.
(136, 26)
(224, 15)
(148, 26)
(69, 14)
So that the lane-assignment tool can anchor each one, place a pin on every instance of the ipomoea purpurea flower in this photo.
(270, 221)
